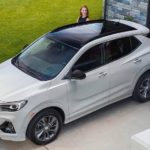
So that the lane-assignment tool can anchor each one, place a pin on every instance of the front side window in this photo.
(44, 59)
(90, 60)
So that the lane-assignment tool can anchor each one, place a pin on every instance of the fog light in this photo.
(7, 127)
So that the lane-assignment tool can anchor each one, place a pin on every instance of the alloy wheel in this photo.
(46, 128)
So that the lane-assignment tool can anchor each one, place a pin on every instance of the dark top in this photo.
(81, 19)
(77, 35)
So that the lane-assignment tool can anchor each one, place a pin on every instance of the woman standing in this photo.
(84, 14)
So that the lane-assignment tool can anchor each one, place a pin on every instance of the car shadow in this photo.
(99, 114)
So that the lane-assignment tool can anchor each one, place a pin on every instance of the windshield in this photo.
(44, 59)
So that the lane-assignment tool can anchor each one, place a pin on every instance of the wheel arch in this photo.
(55, 107)
(58, 109)
(39, 109)
(30, 130)
(144, 71)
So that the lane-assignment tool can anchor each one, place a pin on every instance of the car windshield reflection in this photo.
(44, 59)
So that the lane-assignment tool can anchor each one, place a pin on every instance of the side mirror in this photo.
(78, 75)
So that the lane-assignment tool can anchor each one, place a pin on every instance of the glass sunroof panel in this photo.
(89, 28)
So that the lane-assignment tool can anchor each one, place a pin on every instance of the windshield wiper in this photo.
(26, 69)
(35, 74)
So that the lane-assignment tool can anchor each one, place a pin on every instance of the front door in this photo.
(92, 92)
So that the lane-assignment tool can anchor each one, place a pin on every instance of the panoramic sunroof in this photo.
(78, 35)
(88, 28)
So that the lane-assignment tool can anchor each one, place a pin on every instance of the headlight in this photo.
(12, 106)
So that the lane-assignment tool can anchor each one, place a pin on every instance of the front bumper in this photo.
(14, 121)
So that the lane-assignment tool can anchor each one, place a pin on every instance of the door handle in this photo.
(102, 74)
(137, 60)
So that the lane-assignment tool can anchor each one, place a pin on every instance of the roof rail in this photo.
(141, 29)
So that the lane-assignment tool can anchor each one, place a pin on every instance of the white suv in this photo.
(70, 72)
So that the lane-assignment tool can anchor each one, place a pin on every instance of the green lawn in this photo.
(22, 21)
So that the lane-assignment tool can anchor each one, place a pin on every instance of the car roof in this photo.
(79, 34)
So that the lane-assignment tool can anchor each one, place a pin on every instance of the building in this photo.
(133, 10)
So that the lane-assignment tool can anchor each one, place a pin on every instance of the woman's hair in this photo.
(84, 6)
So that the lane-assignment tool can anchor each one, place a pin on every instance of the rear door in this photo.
(118, 54)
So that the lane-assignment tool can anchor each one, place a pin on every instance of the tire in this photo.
(44, 127)
(142, 90)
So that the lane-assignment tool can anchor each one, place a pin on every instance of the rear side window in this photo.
(135, 43)
(119, 48)
(116, 49)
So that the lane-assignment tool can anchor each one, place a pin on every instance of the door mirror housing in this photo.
(77, 75)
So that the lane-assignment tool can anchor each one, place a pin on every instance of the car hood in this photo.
(13, 80)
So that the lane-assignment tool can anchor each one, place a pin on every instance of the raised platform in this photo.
(141, 141)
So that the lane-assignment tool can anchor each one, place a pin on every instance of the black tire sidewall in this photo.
(31, 128)
(136, 93)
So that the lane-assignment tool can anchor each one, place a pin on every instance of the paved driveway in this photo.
(107, 129)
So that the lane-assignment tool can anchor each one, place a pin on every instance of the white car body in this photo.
(75, 98)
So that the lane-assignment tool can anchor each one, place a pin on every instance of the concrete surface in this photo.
(110, 128)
